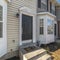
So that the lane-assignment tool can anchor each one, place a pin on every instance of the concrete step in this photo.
(34, 54)
(45, 57)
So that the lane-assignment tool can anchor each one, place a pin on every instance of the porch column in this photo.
(34, 29)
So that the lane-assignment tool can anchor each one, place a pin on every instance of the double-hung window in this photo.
(1, 22)
(41, 26)
(42, 4)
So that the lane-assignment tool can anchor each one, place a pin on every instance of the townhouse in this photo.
(27, 21)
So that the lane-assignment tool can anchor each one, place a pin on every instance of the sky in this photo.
(58, 0)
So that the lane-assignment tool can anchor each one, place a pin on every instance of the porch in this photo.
(52, 49)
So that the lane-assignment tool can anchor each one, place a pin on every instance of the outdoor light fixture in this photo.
(17, 15)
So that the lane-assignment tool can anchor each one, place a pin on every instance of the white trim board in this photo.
(29, 13)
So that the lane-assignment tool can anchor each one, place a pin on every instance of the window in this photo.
(50, 26)
(42, 3)
(1, 21)
(41, 26)
(52, 8)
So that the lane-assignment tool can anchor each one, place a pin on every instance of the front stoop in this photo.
(39, 54)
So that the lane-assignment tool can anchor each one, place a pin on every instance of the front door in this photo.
(27, 27)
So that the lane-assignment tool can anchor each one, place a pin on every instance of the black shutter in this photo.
(50, 7)
(47, 5)
(1, 22)
(39, 3)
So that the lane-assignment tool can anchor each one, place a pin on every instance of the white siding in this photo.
(13, 21)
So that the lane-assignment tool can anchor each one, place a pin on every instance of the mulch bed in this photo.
(51, 47)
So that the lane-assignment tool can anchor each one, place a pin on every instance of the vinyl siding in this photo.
(13, 21)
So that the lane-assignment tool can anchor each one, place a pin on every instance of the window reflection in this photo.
(50, 26)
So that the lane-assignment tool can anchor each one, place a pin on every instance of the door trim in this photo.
(34, 28)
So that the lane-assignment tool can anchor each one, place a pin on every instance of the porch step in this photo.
(44, 57)
(37, 53)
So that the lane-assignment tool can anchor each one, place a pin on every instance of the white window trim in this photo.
(34, 27)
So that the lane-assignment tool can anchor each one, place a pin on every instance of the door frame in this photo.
(34, 28)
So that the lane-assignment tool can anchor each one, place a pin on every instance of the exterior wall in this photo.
(3, 41)
(13, 21)
(44, 9)
(58, 20)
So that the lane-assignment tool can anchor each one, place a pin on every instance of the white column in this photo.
(20, 29)
(34, 29)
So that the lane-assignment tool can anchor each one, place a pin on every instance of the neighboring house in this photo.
(58, 20)
(26, 21)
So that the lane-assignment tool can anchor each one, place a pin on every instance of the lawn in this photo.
(56, 54)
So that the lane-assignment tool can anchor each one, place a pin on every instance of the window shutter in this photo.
(50, 7)
(39, 3)
(47, 5)
(1, 22)
(0, 13)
